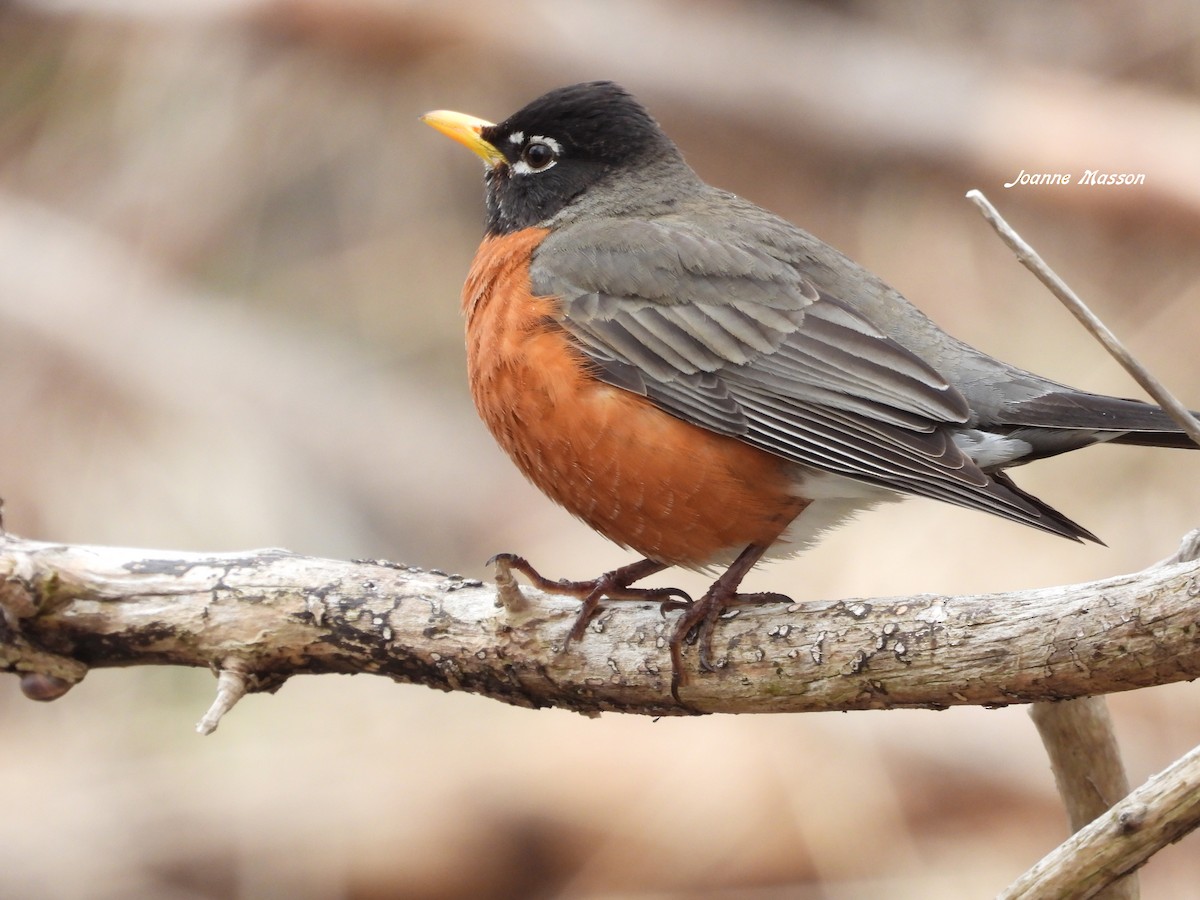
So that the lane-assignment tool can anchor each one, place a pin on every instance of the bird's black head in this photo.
(544, 156)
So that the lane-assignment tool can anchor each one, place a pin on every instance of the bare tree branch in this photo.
(267, 615)
(1083, 754)
(1158, 813)
(1086, 760)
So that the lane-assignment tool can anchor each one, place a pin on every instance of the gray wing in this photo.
(739, 342)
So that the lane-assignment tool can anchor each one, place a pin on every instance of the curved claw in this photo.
(697, 625)
(666, 606)
(614, 585)
(587, 612)
(673, 598)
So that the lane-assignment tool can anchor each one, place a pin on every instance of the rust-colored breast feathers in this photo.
(668, 489)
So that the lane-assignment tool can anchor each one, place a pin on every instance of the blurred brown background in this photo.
(229, 269)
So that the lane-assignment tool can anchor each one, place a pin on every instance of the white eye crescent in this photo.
(539, 154)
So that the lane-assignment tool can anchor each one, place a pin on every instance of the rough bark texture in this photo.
(261, 616)
(270, 614)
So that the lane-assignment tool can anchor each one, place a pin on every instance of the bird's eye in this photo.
(538, 155)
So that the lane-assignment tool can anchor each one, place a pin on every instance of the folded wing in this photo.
(739, 342)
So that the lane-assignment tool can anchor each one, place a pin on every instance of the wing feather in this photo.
(742, 343)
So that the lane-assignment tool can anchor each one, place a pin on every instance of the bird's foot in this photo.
(614, 585)
(698, 622)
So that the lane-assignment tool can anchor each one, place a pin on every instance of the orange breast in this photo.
(646, 480)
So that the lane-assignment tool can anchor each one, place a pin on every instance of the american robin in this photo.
(707, 384)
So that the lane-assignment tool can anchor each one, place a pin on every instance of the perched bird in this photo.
(707, 384)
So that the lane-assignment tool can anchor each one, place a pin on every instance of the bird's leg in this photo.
(614, 585)
(702, 615)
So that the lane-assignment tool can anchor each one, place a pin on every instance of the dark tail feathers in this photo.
(1134, 421)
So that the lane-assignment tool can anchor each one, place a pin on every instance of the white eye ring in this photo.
(534, 156)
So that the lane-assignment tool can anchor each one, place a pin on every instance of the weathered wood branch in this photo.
(1086, 761)
(1159, 812)
(269, 614)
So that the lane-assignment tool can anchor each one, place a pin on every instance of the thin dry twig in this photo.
(1029, 258)
(231, 687)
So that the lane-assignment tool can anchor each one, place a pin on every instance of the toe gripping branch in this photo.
(614, 585)
(697, 622)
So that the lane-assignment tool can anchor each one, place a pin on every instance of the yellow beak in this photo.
(466, 130)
